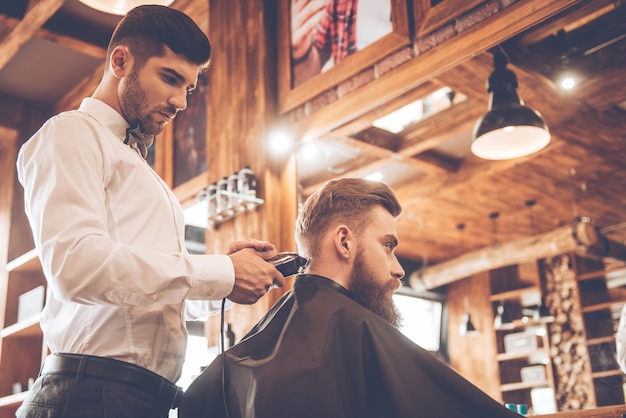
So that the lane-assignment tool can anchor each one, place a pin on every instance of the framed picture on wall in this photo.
(324, 42)
(189, 136)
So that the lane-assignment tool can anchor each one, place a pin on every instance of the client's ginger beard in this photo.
(373, 294)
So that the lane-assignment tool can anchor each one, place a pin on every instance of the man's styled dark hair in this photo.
(347, 200)
(147, 29)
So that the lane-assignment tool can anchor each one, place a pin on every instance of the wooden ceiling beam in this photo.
(436, 129)
(580, 237)
(33, 20)
(383, 156)
(366, 120)
(85, 48)
(578, 16)
(430, 64)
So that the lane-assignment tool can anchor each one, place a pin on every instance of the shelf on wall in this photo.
(599, 273)
(26, 328)
(601, 340)
(520, 323)
(29, 261)
(13, 400)
(509, 387)
(514, 294)
(197, 214)
(602, 306)
(606, 373)
(520, 355)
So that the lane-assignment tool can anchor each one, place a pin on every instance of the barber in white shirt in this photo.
(110, 234)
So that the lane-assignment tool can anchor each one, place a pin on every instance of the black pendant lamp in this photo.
(509, 129)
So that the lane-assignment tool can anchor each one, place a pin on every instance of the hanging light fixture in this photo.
(467, 327)
(494, 219)
(509, 129)
(121, 7)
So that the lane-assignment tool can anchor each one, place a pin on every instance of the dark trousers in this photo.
(59, 396)
(103, 388)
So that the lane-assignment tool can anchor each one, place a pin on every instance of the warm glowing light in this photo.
(308, 151)
(121, 7)
(377, 176)
(280, 141)
(568, 83)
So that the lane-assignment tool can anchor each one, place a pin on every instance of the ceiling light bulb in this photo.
(568, 83)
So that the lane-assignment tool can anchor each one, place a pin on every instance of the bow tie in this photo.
(136, 139)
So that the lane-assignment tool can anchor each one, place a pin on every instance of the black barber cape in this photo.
(318, 353)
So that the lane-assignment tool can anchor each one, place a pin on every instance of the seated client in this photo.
(330, 347)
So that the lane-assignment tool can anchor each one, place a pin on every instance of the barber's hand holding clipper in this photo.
(254, 275)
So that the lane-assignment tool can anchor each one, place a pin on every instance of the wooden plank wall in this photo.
(473, 356)
(241, 113)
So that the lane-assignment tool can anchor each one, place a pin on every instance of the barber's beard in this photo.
(134, 106)
(372, 293)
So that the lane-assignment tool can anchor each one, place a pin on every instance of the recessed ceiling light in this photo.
(121, 7)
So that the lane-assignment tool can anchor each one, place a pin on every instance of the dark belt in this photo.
(112, 370)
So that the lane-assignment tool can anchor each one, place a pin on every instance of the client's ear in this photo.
(343, 241)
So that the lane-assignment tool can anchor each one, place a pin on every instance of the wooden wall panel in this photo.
(8, 146)
(241, 111)
(8, 139)
(572, 366)
(473, 355)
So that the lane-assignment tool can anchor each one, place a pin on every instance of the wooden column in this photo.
(473, 356)
(8, 151)
(241, 112)
(573, 386)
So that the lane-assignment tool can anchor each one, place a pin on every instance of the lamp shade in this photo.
(503, 134)
(121, 7)
(467, 326)
(509, 129)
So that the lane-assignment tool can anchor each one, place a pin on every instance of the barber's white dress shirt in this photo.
(110, 236)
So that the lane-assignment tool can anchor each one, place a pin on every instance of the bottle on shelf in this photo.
(502, 318)
(222, 197)
(210, 195)
(246, 186)
(232, 187)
